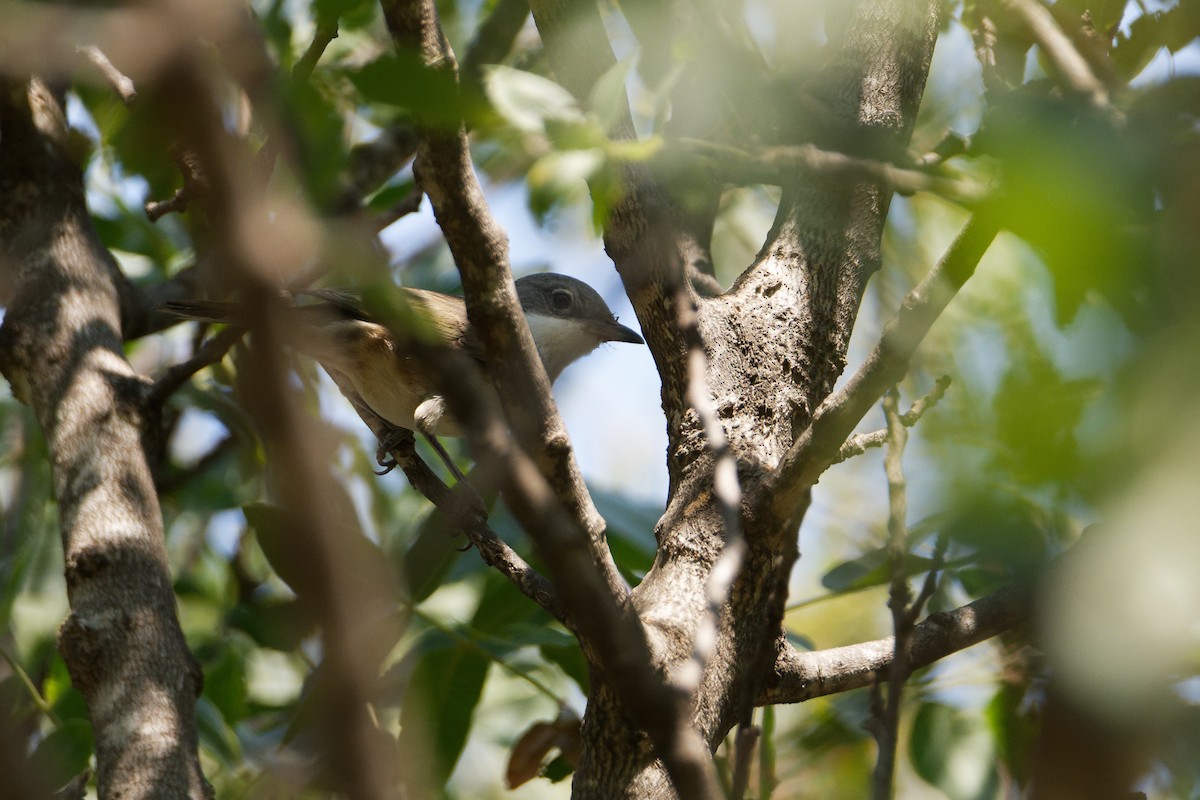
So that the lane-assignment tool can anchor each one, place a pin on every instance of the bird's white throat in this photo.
(560, 341)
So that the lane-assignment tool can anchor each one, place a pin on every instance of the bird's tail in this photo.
(204, 310)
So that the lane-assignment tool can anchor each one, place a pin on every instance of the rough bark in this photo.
(61, 350)
(776, 343)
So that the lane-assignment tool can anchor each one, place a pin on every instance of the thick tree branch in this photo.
(817, 447)
(798, 676)
(607, 626)
(480, 250)
(1067, 62)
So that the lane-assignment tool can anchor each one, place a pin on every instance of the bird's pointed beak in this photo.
(616, 332)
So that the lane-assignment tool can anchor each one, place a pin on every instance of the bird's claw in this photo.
(390, 441)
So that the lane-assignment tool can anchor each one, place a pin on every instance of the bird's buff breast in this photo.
(387, 382)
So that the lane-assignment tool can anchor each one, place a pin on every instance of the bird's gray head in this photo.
(568, 319)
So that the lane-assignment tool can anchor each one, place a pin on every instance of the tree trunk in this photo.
(776, 343)
(61, 350)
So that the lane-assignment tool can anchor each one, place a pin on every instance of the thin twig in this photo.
(468, 518)
(121, 83)
(744, 744)
(931, 579)
(213, 350)
(886, 715)
(858, 444)
(727, 492)
(195, 186)
(325, 33)
(775, 164)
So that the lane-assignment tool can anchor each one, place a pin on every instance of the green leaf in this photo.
(216, 736)
(333, 10)
(1014, 728)
(225, 684)
(609, 101)
(277, 623)
(401, 80)
(871, 569)
(439, 701)
(64, 753)
(953, 751)
(558, 770)
(528, 101)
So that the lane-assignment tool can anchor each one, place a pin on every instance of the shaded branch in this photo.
(173, 379)
(1064, 58)
(467, 517)
(780, 166)
(325, 33)
(798, 676)
(818, 446)
(121, 83)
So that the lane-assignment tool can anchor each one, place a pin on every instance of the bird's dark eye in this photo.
(561, 300)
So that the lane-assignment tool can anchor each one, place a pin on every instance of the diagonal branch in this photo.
(818, 446)
(798, 676)
(608, 628)
(1071, 67)
(213, 350)
(480, 249)
(472, 521)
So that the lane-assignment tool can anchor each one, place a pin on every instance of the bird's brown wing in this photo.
(445, 314)
(448, 317)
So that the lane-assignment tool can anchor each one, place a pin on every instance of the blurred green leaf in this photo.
(871, 569)
(278, 623)
(225, 683)
(1014, 728)
(1037, 411)
(528, 101)
(64, 753)
(401, 80)
(1070, 191)
(608, 101)
(216, 736)
(951, 750)
(333, 10)
(440, 699)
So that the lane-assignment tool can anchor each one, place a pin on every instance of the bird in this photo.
(567, 318)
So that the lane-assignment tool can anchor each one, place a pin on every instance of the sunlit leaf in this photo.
(528, 101)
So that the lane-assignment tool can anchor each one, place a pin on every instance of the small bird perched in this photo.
(567, 318)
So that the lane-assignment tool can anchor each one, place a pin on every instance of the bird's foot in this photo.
(390, 441)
